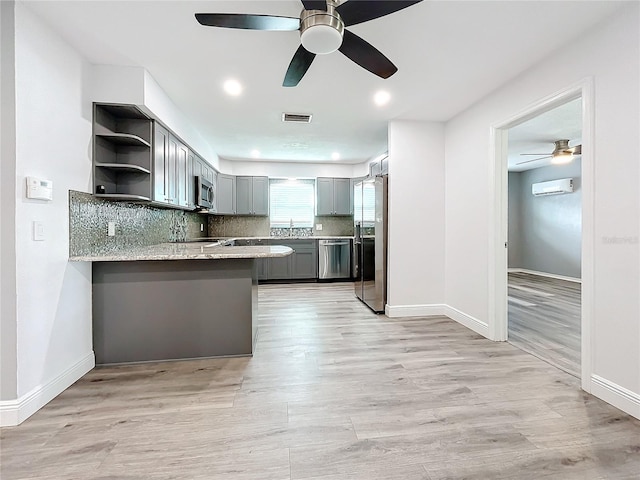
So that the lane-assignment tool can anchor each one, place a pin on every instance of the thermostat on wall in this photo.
(39, 189)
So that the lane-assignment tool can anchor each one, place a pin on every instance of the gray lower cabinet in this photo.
(302, 264)
(226, 194)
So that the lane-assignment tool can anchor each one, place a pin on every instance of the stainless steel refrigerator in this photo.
(370, 244)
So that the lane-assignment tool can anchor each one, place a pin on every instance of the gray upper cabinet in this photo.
(122, 153)
(201, 169)
(333, 196)
(226, 194)
(172, 170)
(161, 166)
(252, 195)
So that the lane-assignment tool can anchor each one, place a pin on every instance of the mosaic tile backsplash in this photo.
(248, 226)
(137, 225)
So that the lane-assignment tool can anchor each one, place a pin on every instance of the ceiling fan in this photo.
(322, 30)
(562, 153)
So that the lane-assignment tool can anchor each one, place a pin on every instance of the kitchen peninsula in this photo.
(175, 301)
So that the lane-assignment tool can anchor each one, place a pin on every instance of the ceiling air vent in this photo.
(296, 117)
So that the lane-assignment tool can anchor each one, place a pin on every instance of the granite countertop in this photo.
(186, 251)
(307, 237)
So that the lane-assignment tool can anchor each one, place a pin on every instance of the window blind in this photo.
(291, 201)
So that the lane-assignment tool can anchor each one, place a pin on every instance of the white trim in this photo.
(399, 311)
(497, 291)
(438, 309)
(544, 274)
(468, 321)
(620, 397)
(14, 412)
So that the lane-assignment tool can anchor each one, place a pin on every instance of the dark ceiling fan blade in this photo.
(314, 4)
(367, 56)
(533, 159)
(358, 11)
(248, 22)
(299, 65)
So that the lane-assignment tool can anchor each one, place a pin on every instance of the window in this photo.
(291, 201)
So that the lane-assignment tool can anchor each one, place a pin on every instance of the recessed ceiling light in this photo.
(381, 98)
(335, 156)
(255, 153)
(233, 87)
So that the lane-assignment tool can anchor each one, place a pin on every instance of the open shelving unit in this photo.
(122, 153)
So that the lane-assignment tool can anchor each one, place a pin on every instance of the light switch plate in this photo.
(38, 231)
(318, 226)
(111, 229)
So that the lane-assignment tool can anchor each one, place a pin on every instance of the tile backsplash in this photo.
(136, 225)
(249, 226)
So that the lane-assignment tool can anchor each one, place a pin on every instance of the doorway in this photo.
(523, 291)
(544, 216)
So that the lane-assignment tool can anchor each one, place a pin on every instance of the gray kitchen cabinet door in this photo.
(342, 196)
(260, 196)
(305, 263)
(262, 268)
(171, 172)
(324, 196)
(182, 176)
(279, 268)
(160, 163)
(226, 195)
(244, 195)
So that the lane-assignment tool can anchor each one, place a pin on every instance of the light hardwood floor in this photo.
(544, 319)
(333, 392)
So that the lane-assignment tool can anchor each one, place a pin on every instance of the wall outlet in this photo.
(111, 229)
(318, 226)
(202, 227)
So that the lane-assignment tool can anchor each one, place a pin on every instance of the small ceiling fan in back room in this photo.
(562, 153)
(322, 30)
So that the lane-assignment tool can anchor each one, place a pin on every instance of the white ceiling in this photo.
(539, 134)
(449, 54)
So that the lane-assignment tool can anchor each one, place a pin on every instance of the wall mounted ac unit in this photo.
(553, 187)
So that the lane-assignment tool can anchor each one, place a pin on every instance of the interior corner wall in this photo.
(8, 325)
(551, 225)
(53, 141)
(513, 220)
(162, 107)
(416, 218)
(609, 54)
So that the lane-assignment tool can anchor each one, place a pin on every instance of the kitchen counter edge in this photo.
(186, 251)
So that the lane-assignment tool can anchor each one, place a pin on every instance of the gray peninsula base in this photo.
(173, 309)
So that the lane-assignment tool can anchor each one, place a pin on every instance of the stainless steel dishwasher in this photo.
(334, 259)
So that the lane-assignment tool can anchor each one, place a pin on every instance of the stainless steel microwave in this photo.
(205, 194)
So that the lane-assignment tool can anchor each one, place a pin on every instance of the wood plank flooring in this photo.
(544, 319)
(333, 392)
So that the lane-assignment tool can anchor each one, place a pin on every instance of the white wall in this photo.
(416, 218)
(53, 134)
(286, 169)
(610, 54)
(8, 330)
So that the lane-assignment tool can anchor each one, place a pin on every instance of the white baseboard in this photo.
(468, 321)
(620, 397)
(398, 311)
(438, 309)
(544, 274)
(14, 412)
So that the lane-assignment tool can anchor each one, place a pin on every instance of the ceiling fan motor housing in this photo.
(321, 31)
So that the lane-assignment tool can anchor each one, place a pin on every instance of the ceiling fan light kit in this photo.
(322, 31)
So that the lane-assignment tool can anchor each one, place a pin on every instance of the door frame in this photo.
(498, 261)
